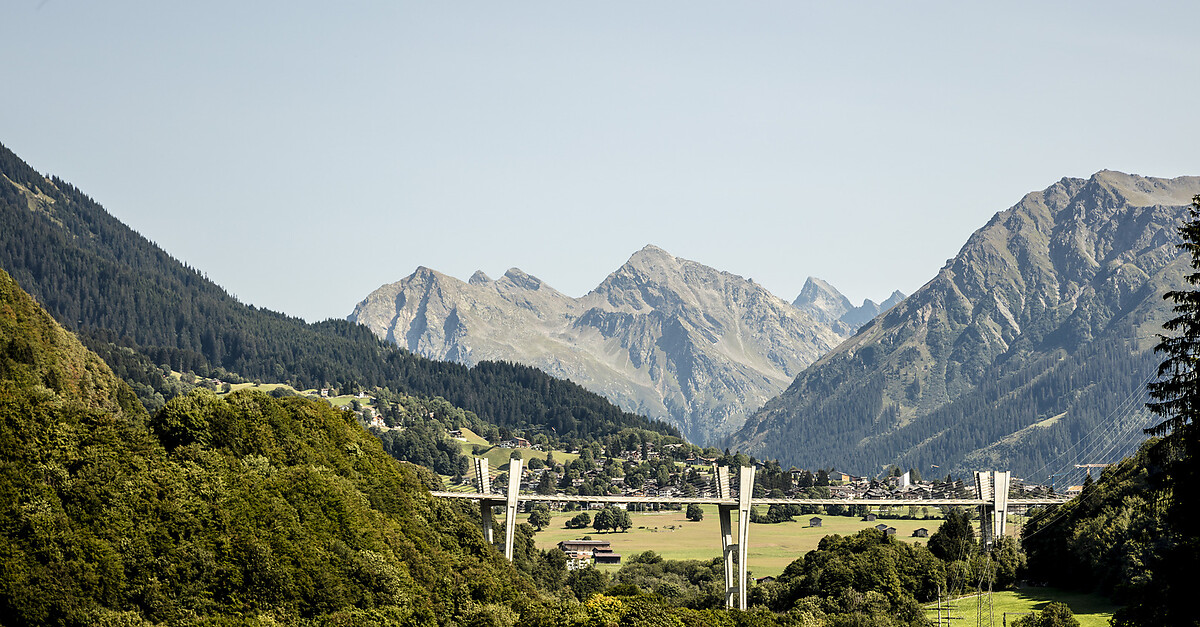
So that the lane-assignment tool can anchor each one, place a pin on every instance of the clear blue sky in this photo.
(302, 154)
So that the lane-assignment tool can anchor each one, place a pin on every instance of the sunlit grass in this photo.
(1090, 609)
(771, 547)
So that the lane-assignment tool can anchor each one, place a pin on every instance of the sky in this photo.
(302, 154)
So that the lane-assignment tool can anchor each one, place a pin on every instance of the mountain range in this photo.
(1035, 336)
(663, 336)
(130, 300)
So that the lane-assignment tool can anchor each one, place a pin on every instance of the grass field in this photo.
(772, 547)
(498, 456)
(472, 439)
(264, 387)
(1091, 610)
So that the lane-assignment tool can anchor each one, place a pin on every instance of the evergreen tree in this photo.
(1177, 392)
(1176, 458)
(694, 512)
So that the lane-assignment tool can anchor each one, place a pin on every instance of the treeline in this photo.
(94, 274)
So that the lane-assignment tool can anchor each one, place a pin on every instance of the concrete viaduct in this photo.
(991, 486)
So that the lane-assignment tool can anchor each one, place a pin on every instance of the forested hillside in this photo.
(1036, 334)
(250, 508)
(100, 278)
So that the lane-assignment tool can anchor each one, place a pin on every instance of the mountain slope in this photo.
(663, 336)
(1031, 337)
(98, 277)
(244, 510)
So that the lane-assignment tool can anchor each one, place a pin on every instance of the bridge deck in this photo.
(708, 500)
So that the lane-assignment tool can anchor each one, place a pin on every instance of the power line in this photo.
(1123, 407)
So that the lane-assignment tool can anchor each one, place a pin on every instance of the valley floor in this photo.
(670, 534)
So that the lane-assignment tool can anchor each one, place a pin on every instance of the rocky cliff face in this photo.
(663, 336)
(1023, 342)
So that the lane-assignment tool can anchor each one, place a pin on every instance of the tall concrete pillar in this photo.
(481, 475)
(1000, 481)
(734, 553)
(510, 506)
(485, 515)
(983, 487)
(745, 493)
(993, 516)
(721, 478)
(727, 552)
(485, 505)
(728, 548)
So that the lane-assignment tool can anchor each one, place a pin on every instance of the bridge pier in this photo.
(510, 505)
(992, 486)
(510, 502)
(734, 553)
(484, 482)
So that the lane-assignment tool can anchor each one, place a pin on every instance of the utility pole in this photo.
(939, 610)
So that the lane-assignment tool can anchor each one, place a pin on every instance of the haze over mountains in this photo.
(1035, 335)
(662, 336)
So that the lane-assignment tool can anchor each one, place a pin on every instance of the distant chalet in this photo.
(599, 551)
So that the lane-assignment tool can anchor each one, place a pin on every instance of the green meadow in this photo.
(1090, 610)
(772, 547)
(498, 456)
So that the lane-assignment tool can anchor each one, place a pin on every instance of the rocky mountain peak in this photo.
(650, 252)
(650, 262)
(824, 302)
(892, 301)
(426, 275)
(520, 279)
(479, 278)
(823, 299)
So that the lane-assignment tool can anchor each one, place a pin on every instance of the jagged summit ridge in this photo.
(826, 303)
(661, 335)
